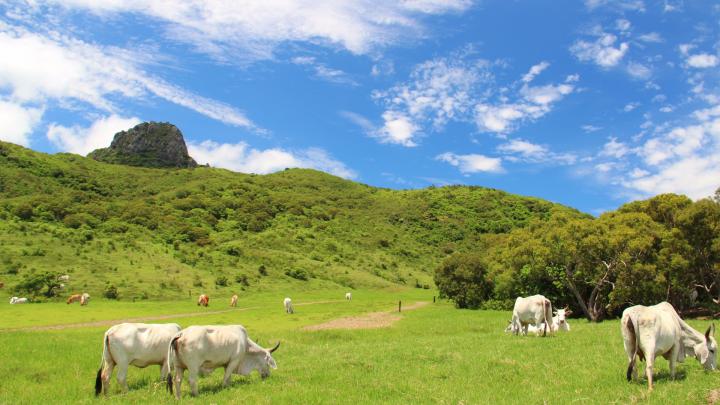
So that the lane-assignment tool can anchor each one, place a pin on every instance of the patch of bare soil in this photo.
(713, 397)
(372, 320)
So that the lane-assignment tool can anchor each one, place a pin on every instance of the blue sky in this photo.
(587, 103)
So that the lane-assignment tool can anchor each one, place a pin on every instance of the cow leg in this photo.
(178, 381)
(233, 365)
(108, 367)
(673, 360)
(122, 376)
(164, 370)
(193, 381)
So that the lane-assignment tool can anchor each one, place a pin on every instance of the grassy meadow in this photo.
(434, 354)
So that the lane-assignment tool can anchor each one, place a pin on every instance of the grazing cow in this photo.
(532, 310)
(64, 278)
(287, 302)
(16, 300)
(202, 349)
(203, 300)
(74, 298)
(84, 299)
(137, 344)
(233, 300)
(2, 284)
(348, 296)
(658, 330)
(558, 323)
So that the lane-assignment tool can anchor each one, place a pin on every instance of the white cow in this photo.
(558, 323)
(137, 344)
(16, 300)
(64, 278)
(532, 310)
(85, 299)
(287, 302)
(348, 296)
(202, 349)
(658, 330)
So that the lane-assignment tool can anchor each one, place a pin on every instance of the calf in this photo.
(84, 299)
(136, 344)
(74, 298)
(203, 300)
(202, 349)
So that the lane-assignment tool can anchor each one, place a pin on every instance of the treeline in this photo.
(664, 248)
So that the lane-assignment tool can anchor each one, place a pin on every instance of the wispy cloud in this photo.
(603, 51)
(323, 72)
(472, 163)
(519, 150)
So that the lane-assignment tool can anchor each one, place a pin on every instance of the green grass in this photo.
(435, 354)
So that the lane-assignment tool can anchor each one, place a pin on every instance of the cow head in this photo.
(259, 359)
(706, 352)
(561, 314)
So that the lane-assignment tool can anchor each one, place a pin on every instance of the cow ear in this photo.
(710, 331)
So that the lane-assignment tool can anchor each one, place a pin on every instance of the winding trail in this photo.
(370, 320)
(110, 322)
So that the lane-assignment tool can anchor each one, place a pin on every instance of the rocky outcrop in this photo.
(150, 144)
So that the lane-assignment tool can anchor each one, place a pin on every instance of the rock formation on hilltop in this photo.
(150, 144)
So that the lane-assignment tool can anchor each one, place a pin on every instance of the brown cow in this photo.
(2, 284)
(203, 300)
(233, 300)
(74, 298)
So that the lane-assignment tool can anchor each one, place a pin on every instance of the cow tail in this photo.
(636, 337)
(546, 308)
(105, 354)
(171, 348)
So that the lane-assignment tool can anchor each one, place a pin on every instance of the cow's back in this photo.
(142, 344)
(211, 346)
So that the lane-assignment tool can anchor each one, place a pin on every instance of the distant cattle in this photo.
(74, 298)
(202, 349)
(348, 296)
(287, 303)
(16, 300)
(658, 330)
(2, 284)
(233, 300)
(85, 299)
(203, 300)
(533, 310)
(136, 344)
(64, 278)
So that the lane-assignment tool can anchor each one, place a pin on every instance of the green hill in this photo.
(163, 233)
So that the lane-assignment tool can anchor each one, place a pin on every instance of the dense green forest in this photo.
(133, 232)
(136, 233)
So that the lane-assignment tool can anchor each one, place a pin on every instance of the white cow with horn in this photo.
(534, 310)
(202, 349)
(137, 344)
(658, 330)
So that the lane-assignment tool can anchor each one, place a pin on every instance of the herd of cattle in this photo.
(647, 332)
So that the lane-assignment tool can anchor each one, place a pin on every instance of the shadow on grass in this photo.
(217, 386)
(660, 376)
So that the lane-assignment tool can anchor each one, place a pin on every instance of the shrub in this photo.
(242, 279)
(35, 284)
(24, 211)
(262, 270)
(463, 278)
(298, 274)
(221, 281)
(111, 292)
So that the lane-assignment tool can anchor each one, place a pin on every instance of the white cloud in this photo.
(241, 157)
(518, 150)
(36, 68)
(323, 72)
(619, 5)
(251, 30)
(615, 149)
(702, 61)
(17, 122)
(602, 51)
(472, 163)
(548, 94)
(82, 140)
(398, 129)
(590, 128)
(639, 71)
(534, 71)
(651, 37)
(666, 109)
(631, 106)
(623, 24)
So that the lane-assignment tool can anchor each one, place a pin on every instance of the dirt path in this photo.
(110, 322)
(370, 320)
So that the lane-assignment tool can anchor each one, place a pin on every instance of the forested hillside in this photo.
(132, 232)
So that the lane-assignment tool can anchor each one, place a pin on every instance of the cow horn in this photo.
(275, 348)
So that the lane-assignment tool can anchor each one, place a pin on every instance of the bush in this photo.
(463, 278)
(111, 292)
(262, 270)
(221, 281)
(242, 279)
(45, 283)
(298, 274)
(24, 211)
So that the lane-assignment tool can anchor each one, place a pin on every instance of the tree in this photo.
(463, 278)
(44, 283)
